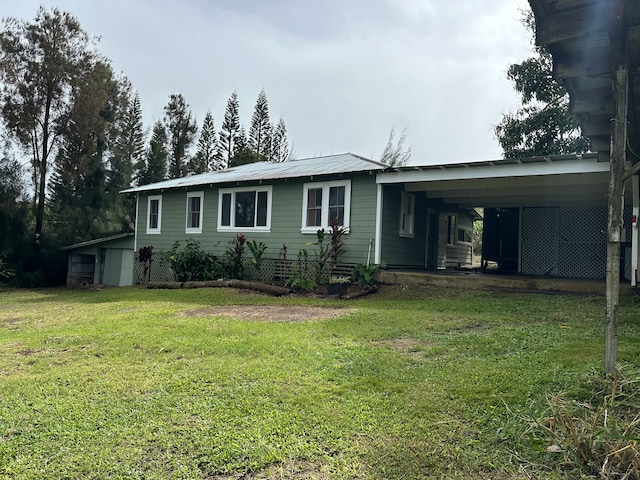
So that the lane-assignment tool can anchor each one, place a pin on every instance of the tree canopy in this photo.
(78, 129)
(41, 63)
(543, 125)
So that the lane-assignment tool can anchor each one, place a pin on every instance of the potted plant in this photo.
(338, 285)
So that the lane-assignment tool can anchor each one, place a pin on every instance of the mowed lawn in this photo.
(407, 383)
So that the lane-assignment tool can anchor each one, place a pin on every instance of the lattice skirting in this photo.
(565, 242)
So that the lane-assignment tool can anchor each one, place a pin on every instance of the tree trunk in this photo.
(616, 198)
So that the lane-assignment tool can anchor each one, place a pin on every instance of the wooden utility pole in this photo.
(616, 198)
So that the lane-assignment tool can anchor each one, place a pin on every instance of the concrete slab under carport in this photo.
(478, 280)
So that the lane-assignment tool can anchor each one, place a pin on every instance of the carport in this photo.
(558, 207)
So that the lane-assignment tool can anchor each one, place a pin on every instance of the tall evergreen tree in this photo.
(243, 153)
(128, 153)
(543, 126)
(280, 143)
(155, 165)
(181, 131)
(206, 158)
(40, 65)
(229, 131)
(82, 203)
(260, 131)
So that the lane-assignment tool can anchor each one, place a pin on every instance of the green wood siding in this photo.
(286, 219)
(397, 250)
(460, 254)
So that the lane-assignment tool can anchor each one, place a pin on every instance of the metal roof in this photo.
(259, 171)
(98, 241)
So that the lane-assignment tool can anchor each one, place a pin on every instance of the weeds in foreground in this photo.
(596, 436)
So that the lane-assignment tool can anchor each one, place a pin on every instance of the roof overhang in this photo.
(567, 180)
(588, 40)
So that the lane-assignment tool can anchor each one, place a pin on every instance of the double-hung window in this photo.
(407, 208)
(326, 204)
(247, 208)
(154, 214)
(194, 212)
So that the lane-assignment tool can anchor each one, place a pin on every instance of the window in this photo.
(154, 214)
(194, 212)
(325, 203)
(245, 208)
(407, 207)
(465, 235)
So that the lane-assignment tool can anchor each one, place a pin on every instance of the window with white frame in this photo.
(325, 204)
(194, 212)
(407, 207)
(247, 208)
(154, 214)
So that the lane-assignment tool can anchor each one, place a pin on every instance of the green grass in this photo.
(408, 383)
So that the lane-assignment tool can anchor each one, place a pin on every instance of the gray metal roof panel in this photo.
(328, 165)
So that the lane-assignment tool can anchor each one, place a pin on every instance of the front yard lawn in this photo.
(220, 384)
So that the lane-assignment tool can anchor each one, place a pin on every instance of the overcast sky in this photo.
(341, 73)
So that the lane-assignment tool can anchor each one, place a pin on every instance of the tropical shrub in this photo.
(233, 267)
(365, 275)
(192, 263)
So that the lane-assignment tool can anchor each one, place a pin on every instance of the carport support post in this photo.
(616, 195)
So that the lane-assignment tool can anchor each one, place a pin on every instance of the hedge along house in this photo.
(285, 204)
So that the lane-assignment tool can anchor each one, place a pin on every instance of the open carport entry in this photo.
(544, 216)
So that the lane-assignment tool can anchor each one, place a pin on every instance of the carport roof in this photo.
(568, 180)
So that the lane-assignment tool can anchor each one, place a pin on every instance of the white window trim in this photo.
(325, 205)
(411, 199)
(154, 231)
(232, 191)
(188, 229)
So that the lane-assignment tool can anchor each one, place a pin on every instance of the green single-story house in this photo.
(284, 205)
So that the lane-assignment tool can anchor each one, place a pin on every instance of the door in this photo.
(436, 240)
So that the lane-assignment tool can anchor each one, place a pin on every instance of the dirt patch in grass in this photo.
(289, 469)
(11, 322)
(268, 313)
(407, 346)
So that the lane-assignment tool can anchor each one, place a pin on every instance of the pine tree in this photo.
(83, 203)
(260, 131)
(243, 153)
(181, 130)
(229, 131)
(280, 143)
(155, 165)
(129, 148)
(206, 158)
